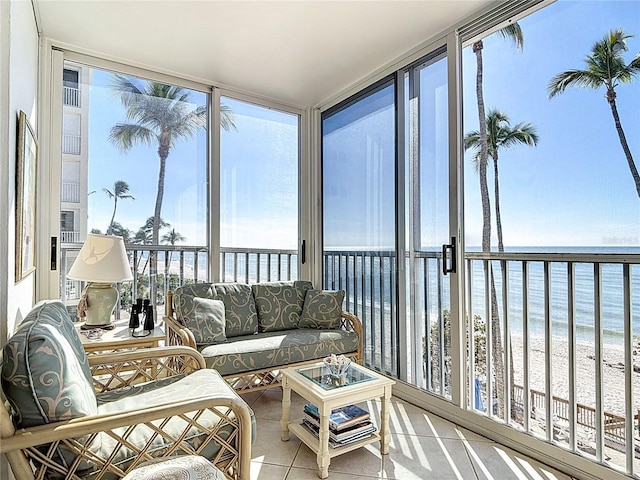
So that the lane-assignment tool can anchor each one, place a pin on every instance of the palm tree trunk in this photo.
(113, 216)
(623, 140)
(482, 167)
(496, 336)
(163, 153)
(496, 193)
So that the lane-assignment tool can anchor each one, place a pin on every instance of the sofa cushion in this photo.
(45, 372)
(240, 308)
(273, 349)
(207, 321)
(322, 309)
(279, 304)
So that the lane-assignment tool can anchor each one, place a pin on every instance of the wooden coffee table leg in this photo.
(385, 438)
(323, 451)
(286, 406)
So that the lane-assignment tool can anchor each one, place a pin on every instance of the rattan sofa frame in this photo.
(260, 379)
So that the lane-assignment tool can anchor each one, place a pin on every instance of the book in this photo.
(339, 443)
(340, 418)
(364, 427)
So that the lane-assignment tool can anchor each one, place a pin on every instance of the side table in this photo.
(120, 338)
(310, 383)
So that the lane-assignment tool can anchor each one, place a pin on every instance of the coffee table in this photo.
(313, 384)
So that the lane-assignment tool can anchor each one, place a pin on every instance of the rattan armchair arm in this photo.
(121, 369)
(237, 447)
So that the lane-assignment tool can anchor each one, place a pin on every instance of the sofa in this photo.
(68, 415)
(249, 333)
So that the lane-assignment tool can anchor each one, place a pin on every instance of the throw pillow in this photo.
(322, 309)
(206, 321)
(279, 304)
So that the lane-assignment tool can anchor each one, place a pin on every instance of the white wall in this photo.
(18, 91)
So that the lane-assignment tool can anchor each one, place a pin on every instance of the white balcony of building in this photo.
(71, 144)
(70, 192)
(71, 96)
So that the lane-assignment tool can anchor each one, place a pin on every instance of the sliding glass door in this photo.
(359, 215)
(386, 231)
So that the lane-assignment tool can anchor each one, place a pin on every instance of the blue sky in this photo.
(574, 188)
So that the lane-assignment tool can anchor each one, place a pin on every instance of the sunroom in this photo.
(472, 187)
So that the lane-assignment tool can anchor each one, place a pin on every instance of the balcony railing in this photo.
(70, 237)
(551, 308)
(71, 144)
(71, 96)
(70, 192)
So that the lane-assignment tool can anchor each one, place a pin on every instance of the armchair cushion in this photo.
(322, 309)
(279, 304)
(201, 383)
(45, 372)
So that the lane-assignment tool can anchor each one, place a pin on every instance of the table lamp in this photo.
(102, 261)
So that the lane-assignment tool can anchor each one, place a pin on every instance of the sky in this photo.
(573, 189)
(259, 163)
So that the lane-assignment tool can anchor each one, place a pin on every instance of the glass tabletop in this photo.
(319, 374)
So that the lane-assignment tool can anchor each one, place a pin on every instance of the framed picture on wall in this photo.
(26, 168)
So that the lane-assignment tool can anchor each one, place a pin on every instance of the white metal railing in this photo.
(71, 144)
(566, 333)
(70, 192)
(70, 236)
(71, 96)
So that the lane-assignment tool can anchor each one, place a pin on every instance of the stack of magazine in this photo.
(346, 424)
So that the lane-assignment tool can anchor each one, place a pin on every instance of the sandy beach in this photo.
(612, 372)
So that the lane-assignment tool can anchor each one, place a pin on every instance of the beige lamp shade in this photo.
(101, 259)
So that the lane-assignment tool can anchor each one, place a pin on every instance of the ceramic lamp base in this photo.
(101, 300)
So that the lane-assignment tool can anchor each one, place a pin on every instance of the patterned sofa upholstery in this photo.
(78, 417)
(248, 333)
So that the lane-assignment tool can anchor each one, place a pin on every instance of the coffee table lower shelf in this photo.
(313, 442)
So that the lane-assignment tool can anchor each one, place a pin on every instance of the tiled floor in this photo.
(423, 446)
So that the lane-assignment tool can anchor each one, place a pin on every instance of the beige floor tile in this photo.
(418, 458)
(265, 471)
(365, 462)
(269, 448)
(269, 405)
(495, 462)
(307, 474)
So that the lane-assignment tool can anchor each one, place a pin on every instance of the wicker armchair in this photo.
(151, 403)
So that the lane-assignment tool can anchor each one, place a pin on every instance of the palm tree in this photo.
(513, 32)
(121, 231)
(171, 237)
(120, 189)
(159, 115)
(605, 67)
(500, 134)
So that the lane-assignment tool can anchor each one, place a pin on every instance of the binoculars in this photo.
(142, 308)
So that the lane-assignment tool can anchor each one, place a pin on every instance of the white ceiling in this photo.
(297, 52)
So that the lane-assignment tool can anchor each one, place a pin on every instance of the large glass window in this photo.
(134, 163)
(552, 217)
(359, 222)
(259, 164)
